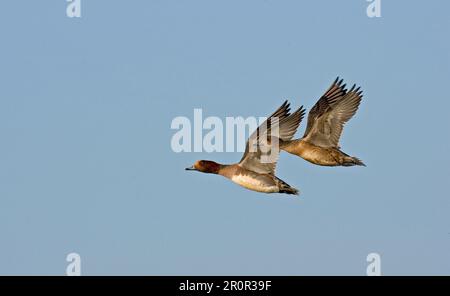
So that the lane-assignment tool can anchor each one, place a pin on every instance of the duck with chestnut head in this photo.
(256, 169)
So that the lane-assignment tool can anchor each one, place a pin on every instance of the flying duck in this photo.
(256, 169)
(320, 143)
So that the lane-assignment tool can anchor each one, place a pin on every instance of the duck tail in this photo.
(286, 188)
(351, 161)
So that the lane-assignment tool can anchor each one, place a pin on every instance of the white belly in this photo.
(255, 184)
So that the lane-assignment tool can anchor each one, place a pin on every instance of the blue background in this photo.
(86, 164)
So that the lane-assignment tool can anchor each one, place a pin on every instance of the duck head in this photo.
(205, 166)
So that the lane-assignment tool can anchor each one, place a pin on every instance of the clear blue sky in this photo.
(86, 164)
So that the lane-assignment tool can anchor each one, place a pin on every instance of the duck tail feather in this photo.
(351, 161)
(286, 188)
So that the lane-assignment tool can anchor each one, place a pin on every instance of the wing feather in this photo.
(326, 129)
(260, 155)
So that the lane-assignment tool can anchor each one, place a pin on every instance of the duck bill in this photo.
(191, 168)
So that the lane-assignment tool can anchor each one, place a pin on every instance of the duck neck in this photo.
(221, 168)
(215, 168)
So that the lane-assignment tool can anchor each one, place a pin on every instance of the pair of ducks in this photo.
(319, 145)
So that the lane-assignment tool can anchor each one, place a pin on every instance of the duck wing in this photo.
(261, 155)
(328, 116)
